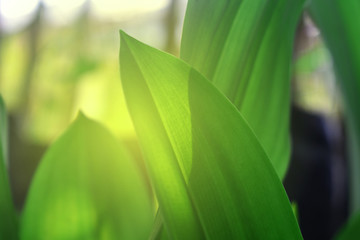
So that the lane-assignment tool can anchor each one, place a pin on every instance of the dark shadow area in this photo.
(317, 177)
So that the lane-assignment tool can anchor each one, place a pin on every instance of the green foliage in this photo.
(8, 218)
(338, 21)
(249, 63)
(351, 230)
(87, 187)
(213, 127)
(205, 161)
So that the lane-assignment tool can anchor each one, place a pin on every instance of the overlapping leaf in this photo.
(338, 21)
(211, 176)
(86, 187)
(8, 219)
(245, 48)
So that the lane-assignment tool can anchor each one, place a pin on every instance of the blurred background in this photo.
(59, 57)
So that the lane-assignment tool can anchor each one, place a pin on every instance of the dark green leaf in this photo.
(351, 230)
(338, 21)
(8, 218)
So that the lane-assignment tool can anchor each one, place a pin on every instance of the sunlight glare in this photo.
(16, 14)
(63, 11)
(122, 9)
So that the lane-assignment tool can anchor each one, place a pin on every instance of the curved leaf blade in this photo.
(168, 166)
(206, 28)
(338, 22)
(232, 191)
(87, 187)
(246, 49)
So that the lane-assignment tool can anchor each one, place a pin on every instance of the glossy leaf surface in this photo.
(245, 48)
(211, 176)
(87, 187)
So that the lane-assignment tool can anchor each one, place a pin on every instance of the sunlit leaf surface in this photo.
(8, 219)
(211, 176)
(87, 187)
(245, 49)
(338, 21)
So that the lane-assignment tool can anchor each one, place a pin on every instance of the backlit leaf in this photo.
(245, 49)
(211, 176)
(87, 187)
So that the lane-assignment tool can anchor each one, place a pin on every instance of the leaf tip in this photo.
(81, 120)
(81, 116)
(123, 36)
(127, 40)
(122, 33)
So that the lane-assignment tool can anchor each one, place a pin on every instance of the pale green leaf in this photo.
(245, 48)
(8, 218)
(87, 187)
(185, 125)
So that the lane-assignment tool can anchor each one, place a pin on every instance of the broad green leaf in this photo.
(206, 28)
(351, 230)
(245, 49)
(210, 174)
(87, 187)
(8, 218)
(338, 21)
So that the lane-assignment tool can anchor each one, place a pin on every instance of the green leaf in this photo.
(351, 230)
(245, 49)
(87, 187)
(206, 28)
(3, 132)
(8, 218)
(338, 21)
(210, 174)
